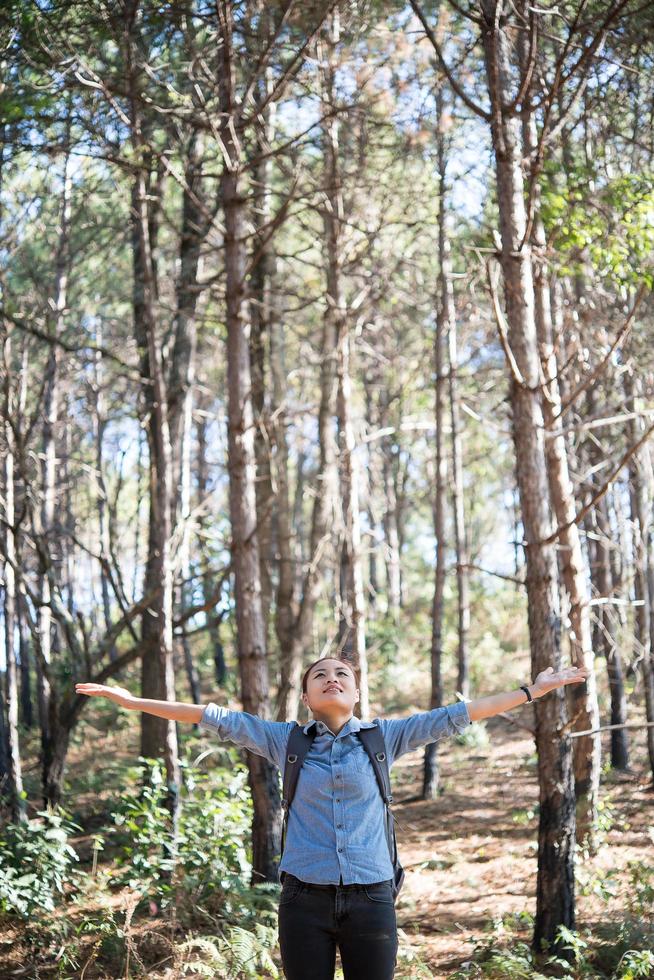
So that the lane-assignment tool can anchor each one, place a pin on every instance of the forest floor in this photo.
(469, 855)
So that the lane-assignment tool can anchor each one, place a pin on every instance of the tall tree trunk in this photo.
(181, 380)
(220, 668)
(582, 698)
(159, 735)
(373, 495)
(261, 315)
(391, 536)
(251, 632)
(27, 709)
(24, 637)
(605, 629)
(462, 572)
(641, 491)
(351, 639)
(325, 518)
(12, 761)
(99, 423)
(444, 311)
(556, 832)
(285, 604)
(51, 405)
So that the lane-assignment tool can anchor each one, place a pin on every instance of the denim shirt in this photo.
(336, 821)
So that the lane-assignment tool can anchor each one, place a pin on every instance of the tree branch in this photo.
(444, 66)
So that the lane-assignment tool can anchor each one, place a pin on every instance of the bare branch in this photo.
(620, 336)
(444, 66)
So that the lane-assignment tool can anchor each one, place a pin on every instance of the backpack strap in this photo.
(299, 743)
(373, 743)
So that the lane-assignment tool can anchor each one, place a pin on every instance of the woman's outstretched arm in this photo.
(548, 680)
(173, 710)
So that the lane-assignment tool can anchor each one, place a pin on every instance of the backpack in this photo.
(297, 747)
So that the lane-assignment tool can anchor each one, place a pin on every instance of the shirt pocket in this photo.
(360, 761)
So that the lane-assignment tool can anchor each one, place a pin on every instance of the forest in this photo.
(327, 329)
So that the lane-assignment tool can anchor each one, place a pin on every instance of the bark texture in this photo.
(251, 631)
(556, 832)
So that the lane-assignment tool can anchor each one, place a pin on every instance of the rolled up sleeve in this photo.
(406, 734)
(263, 737)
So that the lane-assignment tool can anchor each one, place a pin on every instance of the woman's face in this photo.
(331, 684)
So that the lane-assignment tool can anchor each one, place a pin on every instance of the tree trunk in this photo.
(325, 516)
(261, 315)
(51, 403)
(556, 833)
(220, 668)
(99, 423)
(158, 735)
(373, 494)
(351, 636)
(641, 492)
(181, 380)
(251, 633)
(391, 536)
(27, 709)
(462, 573)
(583, 704)
(605, 632)
(285, 605)
(10, 738)
(582, 698)
(444, 312)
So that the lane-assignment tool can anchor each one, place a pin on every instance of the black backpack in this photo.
(297, 747)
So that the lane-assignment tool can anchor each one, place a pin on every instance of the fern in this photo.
(239, 954)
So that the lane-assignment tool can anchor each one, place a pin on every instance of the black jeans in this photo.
(315, 919)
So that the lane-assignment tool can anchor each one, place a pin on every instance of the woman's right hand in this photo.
(119, 695)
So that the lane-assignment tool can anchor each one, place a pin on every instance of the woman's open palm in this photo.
(549, 679)
(119, 695)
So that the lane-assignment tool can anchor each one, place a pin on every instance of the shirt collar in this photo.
(353, 725)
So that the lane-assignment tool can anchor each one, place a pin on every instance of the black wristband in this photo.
(523, 687)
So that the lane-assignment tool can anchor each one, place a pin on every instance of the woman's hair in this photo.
(342, 660)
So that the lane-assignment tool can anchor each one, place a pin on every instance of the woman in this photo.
(336, 868)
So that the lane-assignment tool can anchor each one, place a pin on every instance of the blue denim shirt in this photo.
(336, 821)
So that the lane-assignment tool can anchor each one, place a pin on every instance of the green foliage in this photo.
(641, 891)
(475, 736)
(612, 226)
(36, 862)
(514, 964)
(505, 954)
(636, 963)
(207, 856)
(410, 966)
(54, 939)
(602, 884)
(239, 953)
(524, 817)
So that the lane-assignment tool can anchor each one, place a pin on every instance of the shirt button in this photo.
(339, 826)
(340, 850)
(338, 801)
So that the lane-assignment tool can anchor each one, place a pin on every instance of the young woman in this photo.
(336, 868)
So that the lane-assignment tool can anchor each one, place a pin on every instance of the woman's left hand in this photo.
(549, 679)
